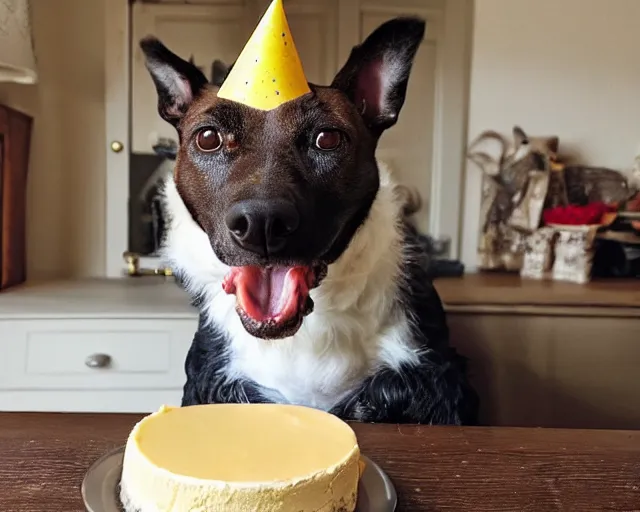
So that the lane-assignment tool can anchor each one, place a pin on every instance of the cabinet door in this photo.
(425, 147)
(314, 26)
(204, 32)
(408, 146)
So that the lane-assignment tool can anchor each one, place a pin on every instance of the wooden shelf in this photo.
(502, 293)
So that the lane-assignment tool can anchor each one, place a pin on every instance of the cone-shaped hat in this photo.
(268, 72)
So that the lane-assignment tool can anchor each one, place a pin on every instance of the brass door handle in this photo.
(117, 146)
(134, 269)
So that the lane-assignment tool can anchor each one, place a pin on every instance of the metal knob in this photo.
(98, 361)
(117, 146)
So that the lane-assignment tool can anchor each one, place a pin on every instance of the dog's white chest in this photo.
(303, 372)
(324, 362)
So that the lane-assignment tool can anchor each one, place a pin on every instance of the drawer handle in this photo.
(98, 361)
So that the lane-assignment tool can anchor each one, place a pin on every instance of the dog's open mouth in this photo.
(272, 301)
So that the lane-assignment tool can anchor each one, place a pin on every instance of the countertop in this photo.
(129, 297)
(160, 297)
(508, 293)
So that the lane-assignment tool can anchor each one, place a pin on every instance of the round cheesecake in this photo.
(240, 458)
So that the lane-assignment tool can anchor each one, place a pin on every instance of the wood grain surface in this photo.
(43, 458)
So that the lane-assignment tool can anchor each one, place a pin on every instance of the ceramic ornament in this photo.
(268, 72)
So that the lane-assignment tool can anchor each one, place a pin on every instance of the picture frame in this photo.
(15, 143)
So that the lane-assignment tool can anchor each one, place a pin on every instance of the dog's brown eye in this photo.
(209, 140)
(328, 140)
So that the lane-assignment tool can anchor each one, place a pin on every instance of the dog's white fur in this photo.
(355, 328)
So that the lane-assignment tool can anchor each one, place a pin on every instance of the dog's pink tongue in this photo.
(273, 294)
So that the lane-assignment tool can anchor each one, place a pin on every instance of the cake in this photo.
(240, 458)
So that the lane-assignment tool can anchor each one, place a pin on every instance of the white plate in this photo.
(100, 486)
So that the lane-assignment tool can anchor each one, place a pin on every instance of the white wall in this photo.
(565, 67)
(65, 228)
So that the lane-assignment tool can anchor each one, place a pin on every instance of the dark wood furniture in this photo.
(547, 353)
(15, 139)
(43, 458)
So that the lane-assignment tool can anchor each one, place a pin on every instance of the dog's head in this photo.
(280, 193)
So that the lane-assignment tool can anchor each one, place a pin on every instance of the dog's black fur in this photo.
(433, 390)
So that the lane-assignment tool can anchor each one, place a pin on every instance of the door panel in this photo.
(206, 33)
(314, 29)
(408, 146)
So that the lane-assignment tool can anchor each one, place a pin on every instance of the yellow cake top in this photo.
(244, 442)
(268, 71)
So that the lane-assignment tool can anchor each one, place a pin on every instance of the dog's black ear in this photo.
(219, 71)
(376, 75)
(177, 81)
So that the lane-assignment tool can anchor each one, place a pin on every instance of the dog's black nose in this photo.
(262, 226)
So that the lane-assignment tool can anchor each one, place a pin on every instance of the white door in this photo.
(408, 146)
(203, 32)
(424, 149)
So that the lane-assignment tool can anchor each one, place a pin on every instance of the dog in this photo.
(290, 238)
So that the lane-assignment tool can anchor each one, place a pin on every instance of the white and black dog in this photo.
(291, 239)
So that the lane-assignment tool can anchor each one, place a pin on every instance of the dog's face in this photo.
(280, 193)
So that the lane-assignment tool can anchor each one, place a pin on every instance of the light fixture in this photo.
(17, 59)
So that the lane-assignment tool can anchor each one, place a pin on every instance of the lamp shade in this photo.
(17, 60)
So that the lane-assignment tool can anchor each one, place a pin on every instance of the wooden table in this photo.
(43, 458)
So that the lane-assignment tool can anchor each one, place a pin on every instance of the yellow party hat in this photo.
(268, 72)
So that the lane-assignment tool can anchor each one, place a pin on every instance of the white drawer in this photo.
(95, 354)
(73, 352)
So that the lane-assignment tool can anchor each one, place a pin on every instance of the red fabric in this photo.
(574, 215)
